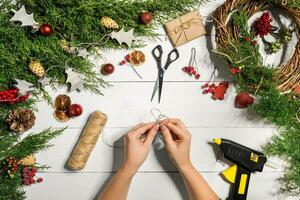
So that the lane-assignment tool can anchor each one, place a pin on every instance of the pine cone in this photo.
(28, 161)
(21, 120)
(37, 68)
(108, 22)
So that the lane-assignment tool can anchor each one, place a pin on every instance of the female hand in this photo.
(137, 145)
(177, 141)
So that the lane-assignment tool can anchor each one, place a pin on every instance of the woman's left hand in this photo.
(137, 145)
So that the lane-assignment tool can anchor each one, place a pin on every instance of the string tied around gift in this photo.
(184, 26)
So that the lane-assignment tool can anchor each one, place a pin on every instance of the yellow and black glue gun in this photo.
(246, 162)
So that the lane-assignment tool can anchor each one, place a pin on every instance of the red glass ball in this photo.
(46, 29)
(75, 110)
(107, 69)
(146, 17)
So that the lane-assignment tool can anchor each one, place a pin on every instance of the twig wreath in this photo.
(274, 88)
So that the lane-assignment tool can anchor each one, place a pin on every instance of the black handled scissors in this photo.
(157, 53)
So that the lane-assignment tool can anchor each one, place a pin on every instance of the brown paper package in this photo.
(185, 28)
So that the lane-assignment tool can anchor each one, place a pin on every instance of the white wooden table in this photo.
(128, 103)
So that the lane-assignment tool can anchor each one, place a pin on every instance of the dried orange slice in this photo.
(137, 58)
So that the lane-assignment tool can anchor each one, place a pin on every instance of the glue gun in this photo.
(246, 161)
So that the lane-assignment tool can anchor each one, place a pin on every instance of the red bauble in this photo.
(75, 110)
(46, 30)
(243, 100)
(146, 17)
(107, 69)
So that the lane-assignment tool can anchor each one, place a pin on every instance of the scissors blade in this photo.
(155, 89)
(160, 84)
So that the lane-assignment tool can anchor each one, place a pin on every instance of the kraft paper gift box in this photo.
(185, 28)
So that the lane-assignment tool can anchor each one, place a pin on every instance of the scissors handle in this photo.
(157, 53)
(170, 59)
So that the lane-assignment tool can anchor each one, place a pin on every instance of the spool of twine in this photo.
(87, 141)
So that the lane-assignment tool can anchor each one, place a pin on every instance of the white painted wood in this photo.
(147, 186)
(107, 159)
(128, 104)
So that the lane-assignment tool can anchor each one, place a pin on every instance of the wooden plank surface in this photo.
(128, 103)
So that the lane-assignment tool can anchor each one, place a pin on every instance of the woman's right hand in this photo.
(177, 141)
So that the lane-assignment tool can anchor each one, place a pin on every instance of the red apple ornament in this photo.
(46, 29)
(75, 110)
(107, 69)
(243, 100)
(146, 17)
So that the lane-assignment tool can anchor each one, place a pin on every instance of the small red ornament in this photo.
(247, 39)
(39, 180)
(75, 110)
(235, 70)
(146, 17)
(46, 29)
(254, 42)
(220, 91)
(107, 69)
(243, 100)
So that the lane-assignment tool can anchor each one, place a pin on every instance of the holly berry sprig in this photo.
(263, 26)
(12, 97)
(28, 176)
(190, 70)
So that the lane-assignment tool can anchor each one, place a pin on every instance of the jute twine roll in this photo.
(87, 141)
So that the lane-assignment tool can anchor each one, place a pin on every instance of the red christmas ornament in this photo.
(243, 100)
(46, 29)
(220, 91)
(75, 110)
(146, 17)
(107, 69)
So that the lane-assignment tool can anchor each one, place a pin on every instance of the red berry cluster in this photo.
(125, 60)
(191, 71)
(28, 174)
(208, 88)
(12, 97)
(218, 91)
(263, 25)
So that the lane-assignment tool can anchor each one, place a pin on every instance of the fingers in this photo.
(176, 130)
(167, 135)
(177, 122)
(151, 135)
(140, 129)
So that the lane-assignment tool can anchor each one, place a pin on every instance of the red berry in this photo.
(46, 30)
(194, 72)
(107, 69)
(197, 76)
(127, 57)
(247, 38)
(75, 110)
(123, 62)
(39, 180)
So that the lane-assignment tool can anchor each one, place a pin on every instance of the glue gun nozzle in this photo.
(218, 141)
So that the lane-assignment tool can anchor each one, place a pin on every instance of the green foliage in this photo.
(12, 146)
(290, 3)
(277, 108)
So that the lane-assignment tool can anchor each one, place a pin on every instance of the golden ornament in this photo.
(28, 161)
(37, 68)
(108, 22)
